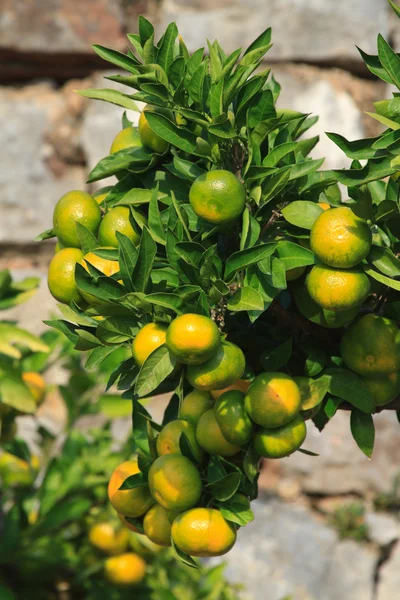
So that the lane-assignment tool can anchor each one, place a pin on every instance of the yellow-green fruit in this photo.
(193, 339)
(221, 370)
(210, 437)
(149, 338)
(218, 197)
(194, 405)
(36, 385)
(384, 389)
(340, 239)
(75, 207)
(233, 419)
(273, 399)
(174, 482)
(61, 275)
(116, 219)
(148, 137)
(282, 441)
(125, 570)
(126, 138)
(106, 538)
(371, 346)
(169, 438)
(203, 532)
(157, 524)
(337, 289)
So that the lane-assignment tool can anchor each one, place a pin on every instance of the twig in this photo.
(274, 217)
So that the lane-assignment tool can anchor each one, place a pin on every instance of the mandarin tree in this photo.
(243, 274)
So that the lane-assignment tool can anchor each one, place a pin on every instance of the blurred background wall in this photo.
(50, 137)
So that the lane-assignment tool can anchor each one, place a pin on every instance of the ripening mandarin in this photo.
(281, 441)
(149, 338)
(218, 197)
(169, 438)
(211, 438)
(195, 404)
(175, 482)
(117, 219)
(125, 570)
(225, 367)
(129, 503)
(273, 399)
(340, 239)
(231, 416)
(36, 385)
(337, 289)
(157, 524)
(193, 339)
(61, 275)
(75, 207)
(126, 138)
(148, 137)
(203, 532)
(384, 389)
(108, 539)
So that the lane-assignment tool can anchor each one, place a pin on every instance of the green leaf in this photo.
(302, 213)
(46, 235)
(390, 61)
(14, 393)
(183, 557)
(87, 240)
(235, 513)
(305, 168)
(373, 170)
(262, 40)
(133, 481)
(117, 330)
(254, 55)
(395, 7)
(104, 288)
(250, 231)
(274, 185)
(154, 219)
(348, 386)
(129, 158)
(157, 367)
(127, 258)
(226, 487)
(357, 149)
(116, 58)
(111, 96)
(384, 260)
(292, 255)
(144, 264)
(12, 336)
(186, 169)
(96, 357)
(165, 54)
(384, 120)
(392, 283)
(167, 130)
(363, 431)
(249, 256)
(312, 391)
(170, 301)
(245, 298)
(277, 358)
(275, 156)
(146, 29)
(374, 65)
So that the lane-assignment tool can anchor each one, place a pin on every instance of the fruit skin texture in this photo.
(148, 137)
(73, 207)
(125, 569)
(203, 532)
(157, 524)
(105, 266)
(337, 289)
(193, 339)
(384, 389)
(168, 439)
(129, 503)
(331, 319)
(273, 399)
(221, 370)
(371, 346)
(241, 384)
(116, 219)
(104, 537)
(340, 239)
(195, 404)
(126, 138)
(150, 337)
(210, 437)
(61, 275)
(232, 418)
(175, 482)
(282, 441)
(218, 197)
(36, 385)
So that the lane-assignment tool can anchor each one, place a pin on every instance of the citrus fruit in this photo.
(273, 399)
(75, 207)
(17, 472)
(281, 441)
(36, 385)
(58, 247)
(330, 319)
(218, 197)
(175, 482)
(231, 416)
(337, 289)
(193, 339)
(101, 194)
(126, 138)
(148, 137)
(169, 436)
(371, 346)
(339, 238)
(150, 337)
(116, 219)
(106, 538)
(104, 265)
(295, 273)
(203, 532)
(61, 275)
(195, 404)
(221, 370)
(384, 389)
(130, 503)
(125, 569)
(157, 525)
(211, 438)
(241, 384)
(126, 523)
